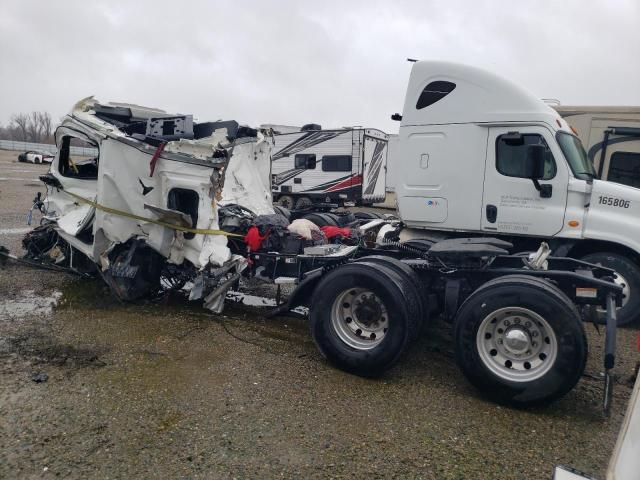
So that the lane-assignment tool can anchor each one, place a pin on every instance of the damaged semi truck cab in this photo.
(478, 154)
(149, 190)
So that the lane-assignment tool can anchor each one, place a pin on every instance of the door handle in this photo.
(492, 213)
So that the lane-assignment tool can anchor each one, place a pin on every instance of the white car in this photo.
(35, 157)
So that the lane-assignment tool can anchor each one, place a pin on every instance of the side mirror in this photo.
(534, 161)
(534, 168)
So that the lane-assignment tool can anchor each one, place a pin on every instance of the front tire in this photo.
(359, 318)
(628, 276)
(520, 341)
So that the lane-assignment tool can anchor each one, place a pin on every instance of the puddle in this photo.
(15, 231)
(22, 179)
(258, 301)
(29, 303)
(17, 170)
(250, 300)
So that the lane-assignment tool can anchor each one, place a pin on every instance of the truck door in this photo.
(511, 203)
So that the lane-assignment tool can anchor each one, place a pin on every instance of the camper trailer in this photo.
(611, 136)
(311, 166)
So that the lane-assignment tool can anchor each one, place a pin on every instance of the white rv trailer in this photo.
(311, 165)
(611, 136)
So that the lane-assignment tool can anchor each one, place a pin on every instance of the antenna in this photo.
(413, 60)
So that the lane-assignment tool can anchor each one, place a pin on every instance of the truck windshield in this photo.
(576, 156)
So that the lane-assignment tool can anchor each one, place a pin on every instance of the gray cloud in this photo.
(293, 62)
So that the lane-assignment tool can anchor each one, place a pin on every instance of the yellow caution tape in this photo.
(114, 211)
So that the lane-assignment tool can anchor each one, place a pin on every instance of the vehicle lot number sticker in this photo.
(614, 202)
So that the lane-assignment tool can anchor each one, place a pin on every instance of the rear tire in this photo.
(285, 201)
(359, 318)
(344, 218)
(366, 215)
(317, 219)
(629, 277)
(321, 219)
(520, 341)
(303, 203)
(412, 288)
(285, 212)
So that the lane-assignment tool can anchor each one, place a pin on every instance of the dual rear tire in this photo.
(518, 339)
(364, 314)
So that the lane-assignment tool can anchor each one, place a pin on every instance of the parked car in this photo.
(32, 156)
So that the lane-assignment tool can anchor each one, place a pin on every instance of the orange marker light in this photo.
(574, 223)
(573, 130)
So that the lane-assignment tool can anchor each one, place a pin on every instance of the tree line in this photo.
(29, 127)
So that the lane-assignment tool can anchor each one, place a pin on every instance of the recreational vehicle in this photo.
(611, 136)
(311, 165)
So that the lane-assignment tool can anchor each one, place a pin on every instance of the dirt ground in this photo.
(165, 390)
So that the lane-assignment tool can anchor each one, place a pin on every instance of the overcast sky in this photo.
(293, 62)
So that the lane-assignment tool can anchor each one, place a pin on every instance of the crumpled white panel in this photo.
(247, 180)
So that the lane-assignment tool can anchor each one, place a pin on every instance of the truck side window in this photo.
(78, 159)
(624, 168)
(306, 161)
(511, 155)
(336, 163)
(434, 92)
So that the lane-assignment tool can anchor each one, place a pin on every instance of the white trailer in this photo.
(333, 166)
(611, 136)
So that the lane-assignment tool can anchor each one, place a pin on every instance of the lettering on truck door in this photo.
(511, 202)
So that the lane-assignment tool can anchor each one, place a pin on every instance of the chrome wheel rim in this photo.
(626, 292)
(359, 318)
(516, 344)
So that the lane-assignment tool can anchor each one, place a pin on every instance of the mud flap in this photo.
(609, 352)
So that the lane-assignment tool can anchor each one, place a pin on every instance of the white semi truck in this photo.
(168, 202)
(477, 154)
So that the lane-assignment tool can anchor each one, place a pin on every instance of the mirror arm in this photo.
(536, 184)
(545, 190)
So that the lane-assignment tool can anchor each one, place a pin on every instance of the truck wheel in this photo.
(303, 203)
(412, 288)
(367, 215)
(627, 276)
(334, 219)
(520, 341)
(344, 218)
(285, 201)
(317, 219)
(285, 212)
(359, 318)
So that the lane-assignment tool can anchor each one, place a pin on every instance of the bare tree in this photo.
(34, 127)
(46, 125)
(20, 121)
